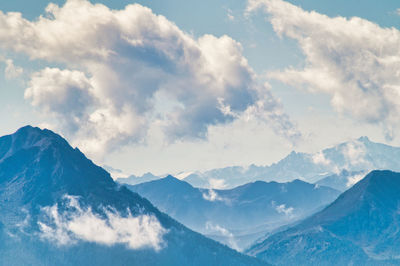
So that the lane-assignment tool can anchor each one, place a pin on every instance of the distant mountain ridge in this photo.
(134, 180)
(236, 216)
(360, 228)
(58, 208)
(360, 155)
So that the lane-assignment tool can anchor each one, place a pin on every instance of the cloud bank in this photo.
(75, 223)
(353, 60)
(121, 72)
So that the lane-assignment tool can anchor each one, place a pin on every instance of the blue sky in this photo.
(228, 140)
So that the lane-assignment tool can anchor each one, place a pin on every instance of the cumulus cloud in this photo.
(76, 223)
(67, 94)
(353, 60)
(130, 69)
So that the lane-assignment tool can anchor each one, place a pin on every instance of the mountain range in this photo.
(238, 216)
(353, 157)
(361, 227)
(58, 208)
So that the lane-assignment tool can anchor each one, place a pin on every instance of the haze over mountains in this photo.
(238, 216)
(360, 228)
(355, 157)
(58, 208)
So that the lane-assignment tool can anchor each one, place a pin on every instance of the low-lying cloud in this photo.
(353, 179)
(75, 224)
(283, 209)
(219, 230)
(212, 195)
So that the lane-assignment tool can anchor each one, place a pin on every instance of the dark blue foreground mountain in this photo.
(58, 208)
(362, 227)
(238, 216)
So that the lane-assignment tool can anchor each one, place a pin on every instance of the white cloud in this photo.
(354, 153)
(76, 223)
(230, 15)
(353, 60)
(354, 179)
(66, 94)
(212, 195)
(216, 183)
(282, 209)
(12, 71)
(319, 158)
(215, 228)
(122, 61)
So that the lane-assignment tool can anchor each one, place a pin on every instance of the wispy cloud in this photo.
(75, 224)
(12, 71)
(217, 229)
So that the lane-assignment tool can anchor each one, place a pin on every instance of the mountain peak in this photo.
(364, 139)
(361, 224)
(377, 188)
(59, 168)
(170, 178)
(28, 137)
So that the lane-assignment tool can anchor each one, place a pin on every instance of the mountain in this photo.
(362, 227)
(238, 216)
(58, 208)
(342, 181)
(353, 156)
(133, 180)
